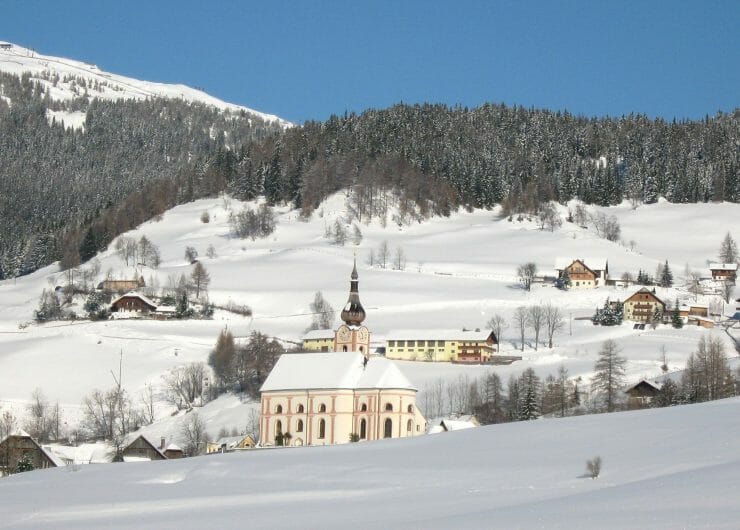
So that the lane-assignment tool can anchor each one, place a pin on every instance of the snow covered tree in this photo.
(676, 320)
(24, 464)
(728, 250)
(322, 313)
(563, 281)
(193, 432)
(609, 377)
(191, 254)
(665, 279)
(529, 395)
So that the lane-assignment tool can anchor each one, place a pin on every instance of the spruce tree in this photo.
(676, 320)
(666, 276)
(728, 250)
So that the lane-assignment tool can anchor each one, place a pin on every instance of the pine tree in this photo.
(564, 280)
(666, 276)
(609, 377)
(676, 320)
(529, 395)
(24, 464)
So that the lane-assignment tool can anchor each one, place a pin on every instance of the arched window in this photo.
(299, 427)
(389, 407)
(322, 429)
(409, 426)
(362, 350)
(279, 409)
(363, 429)
(363, 408)
(388, 428)
(411, 409)
(322, 408)
(278, 427)
(344, 348)
(300, 407)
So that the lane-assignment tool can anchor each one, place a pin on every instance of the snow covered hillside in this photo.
(664, 468)
(67, 79)
(459, 272)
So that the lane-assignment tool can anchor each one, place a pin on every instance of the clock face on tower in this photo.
(344, 334)
(362, 334)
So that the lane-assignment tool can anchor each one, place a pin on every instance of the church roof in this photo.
(334, 370)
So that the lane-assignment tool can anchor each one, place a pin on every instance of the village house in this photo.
(20, 447)
(326, 398)
(457, 423)
(584, 273)
(642, 394)
(133, 302)
(140, 449)
(641, 306)
(122, 286)
(441, 345)
(724, 271)
(230, 444)
(319, 340)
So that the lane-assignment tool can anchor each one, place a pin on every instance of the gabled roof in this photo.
(134, 294)
(334, 370)
(46, 451)
(438, 334)
(148, 442)
(645, 290)
(723, 266)
(655, 384)
(318, 334)
(595, 264)
(232, 441)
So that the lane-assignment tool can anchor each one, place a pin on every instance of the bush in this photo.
(205, 217)
(593, 467)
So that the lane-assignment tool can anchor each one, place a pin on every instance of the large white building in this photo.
(327, 397)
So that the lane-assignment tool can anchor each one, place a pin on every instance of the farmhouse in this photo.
(328, 397)
(132, 302)
(20, 447)
(141, 449)
(441, 345)
(724, 271)
(230, 444)
(641, 306)
(122, 286)
(642, 393)
(584, 273)
(319, 340)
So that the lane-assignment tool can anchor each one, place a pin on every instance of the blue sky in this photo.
(308, 60)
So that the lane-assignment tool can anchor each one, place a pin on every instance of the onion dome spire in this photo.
(353, 313)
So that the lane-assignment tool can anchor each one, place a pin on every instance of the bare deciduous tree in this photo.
(199, 278)
(322, 313)
(399, 259)
(554, 322)
(521, 320)
(184, 385)
(536, 320)
(383, 254)
(193, 433)
(526, 274)
(498, 324)
(609, 377)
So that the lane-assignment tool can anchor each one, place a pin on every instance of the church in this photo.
(338, 396)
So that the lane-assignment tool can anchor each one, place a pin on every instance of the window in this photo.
(409, 426)
(363, 429)
(440, 344)
(363, 408)
(344, 348)
(278, 427)
(411, 409)
(279, 409)
(388, 428)
(299, 427)
(401, 343)
(412, 343)
(300, 408)
(388, 407)
(322, 429)
(391, 343)
(322, 408)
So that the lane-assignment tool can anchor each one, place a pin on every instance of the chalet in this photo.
(319, 340)
(328, 398)
(141, 449)
(230, 444)
(724, 271)
(641, 394)
(122, 286)
(441, 345)
(641, 306)
(133, 302)
(584, 273)
(20, 446)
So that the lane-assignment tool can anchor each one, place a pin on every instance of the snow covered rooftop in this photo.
(595, 264)
(135, 295)
(723, 266)
(334, 370)
(318, 334)
(438, 334)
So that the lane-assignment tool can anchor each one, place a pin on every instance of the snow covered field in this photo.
(662, 468)
(460, 271)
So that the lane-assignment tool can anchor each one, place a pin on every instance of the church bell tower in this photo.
(352, 335)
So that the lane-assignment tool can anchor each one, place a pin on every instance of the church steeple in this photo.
(353, 313)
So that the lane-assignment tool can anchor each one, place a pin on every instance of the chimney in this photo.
(161, 443)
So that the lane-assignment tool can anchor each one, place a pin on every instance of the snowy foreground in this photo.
(663, 468)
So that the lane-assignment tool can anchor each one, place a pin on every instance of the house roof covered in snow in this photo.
(595, 264)
(318, 334)
(134, 294)
(439, 334)
(334, 370)
(723, 266)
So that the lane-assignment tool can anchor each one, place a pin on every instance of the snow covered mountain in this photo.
(67, 79)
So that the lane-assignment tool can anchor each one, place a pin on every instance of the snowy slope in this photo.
(663, 469)
(460, 271)
(99, 84)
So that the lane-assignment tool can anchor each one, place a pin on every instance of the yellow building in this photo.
(441, 345)
(329, 397)
(319, 340)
